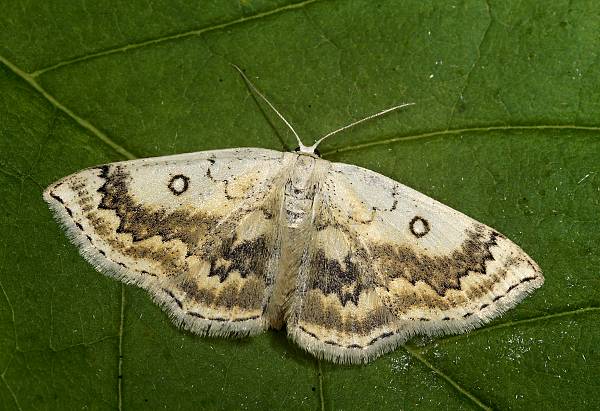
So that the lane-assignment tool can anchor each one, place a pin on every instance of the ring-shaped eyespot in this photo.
(419, 226)
(179, 184)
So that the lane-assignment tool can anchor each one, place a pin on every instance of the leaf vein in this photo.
(172, 37)
(120, 363)
(81, 121)
(473, 66)
(415, 354)
(68, 347)
(8, 387)
(12, 313)
(515, 323)
(482, 129)
(321, 395)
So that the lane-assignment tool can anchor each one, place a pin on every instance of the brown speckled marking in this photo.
(245, 257)
(348, 281)
(332, 277)
(142, 223)
(441, 273)
(318, 311)
(224, 253)
(339, 325)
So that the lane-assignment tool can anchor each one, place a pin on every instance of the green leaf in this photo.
(505, 128)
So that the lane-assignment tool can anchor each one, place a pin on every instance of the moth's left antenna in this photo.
(357, 122)
(287, 123)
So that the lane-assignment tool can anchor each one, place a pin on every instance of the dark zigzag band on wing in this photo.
(389, 334)
(440, 273)
(246, 257)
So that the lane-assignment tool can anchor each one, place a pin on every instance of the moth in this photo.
(234, 242)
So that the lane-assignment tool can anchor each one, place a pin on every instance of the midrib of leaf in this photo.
(172, 37)
(411, 350)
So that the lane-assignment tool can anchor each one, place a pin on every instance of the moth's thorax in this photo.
(300, 190)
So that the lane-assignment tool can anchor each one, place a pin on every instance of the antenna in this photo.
(287, 123)
(357, 122)
(311, 149)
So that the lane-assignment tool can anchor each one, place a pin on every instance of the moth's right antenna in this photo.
(287, 123)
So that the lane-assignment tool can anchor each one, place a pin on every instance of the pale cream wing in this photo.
(388, 262)
(199, 231)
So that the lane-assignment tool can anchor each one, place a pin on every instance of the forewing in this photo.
(410, 264)
(198, 231)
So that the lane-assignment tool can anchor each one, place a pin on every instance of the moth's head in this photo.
(308, 151)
